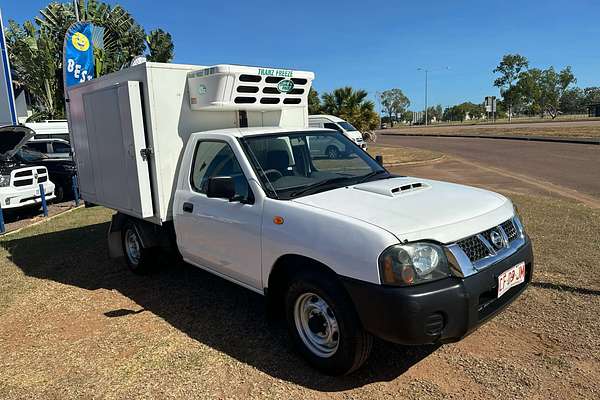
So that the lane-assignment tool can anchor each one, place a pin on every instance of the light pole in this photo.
(76, 8)
(426, 70)
(426, 74)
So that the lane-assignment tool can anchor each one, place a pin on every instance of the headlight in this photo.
(519, 219)
(411, 264)
(4, 180)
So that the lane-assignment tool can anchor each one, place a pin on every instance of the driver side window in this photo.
(217, 159)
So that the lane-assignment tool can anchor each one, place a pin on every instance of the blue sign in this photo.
(79, 54)
(8, 113)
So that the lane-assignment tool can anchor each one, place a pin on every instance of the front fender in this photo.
(350, 247)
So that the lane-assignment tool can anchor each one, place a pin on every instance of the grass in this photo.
(402, 155)
(74, 323)
(583, 131)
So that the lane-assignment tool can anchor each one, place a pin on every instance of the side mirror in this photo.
(379, 159)
(221, 187)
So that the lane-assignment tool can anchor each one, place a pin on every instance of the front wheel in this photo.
(59, 192)
(324, 326)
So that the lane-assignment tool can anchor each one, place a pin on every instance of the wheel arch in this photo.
(151, 235)
(283, 270)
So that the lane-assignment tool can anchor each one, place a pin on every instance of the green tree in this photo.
(353, 106)
(573, 101)
(435, 112)
(510, 68)
(543, 89)
(407, 116)
(455, 113)
(460, 112)
(33, 58)
(314, 103)
(35, 50)
(592, 95)
(160, 46)
(394, 103)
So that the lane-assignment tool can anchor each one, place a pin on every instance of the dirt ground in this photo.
(580, 129)
(76, 324)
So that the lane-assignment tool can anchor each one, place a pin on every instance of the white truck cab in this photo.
(220, 162)
(340, 125)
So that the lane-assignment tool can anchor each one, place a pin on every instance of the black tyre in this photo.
(324, 325)
(59, 192)
(332, 152)
(139, 259)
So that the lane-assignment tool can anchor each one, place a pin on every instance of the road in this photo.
(575, 167)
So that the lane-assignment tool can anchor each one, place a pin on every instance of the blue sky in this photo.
(376, 45)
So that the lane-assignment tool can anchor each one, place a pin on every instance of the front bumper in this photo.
(14, 197)
(437, 312)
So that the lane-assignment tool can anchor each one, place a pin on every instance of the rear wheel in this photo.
(324, 326)
(139, 259)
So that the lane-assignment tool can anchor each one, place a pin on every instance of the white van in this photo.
(338, 124)
(50, 129)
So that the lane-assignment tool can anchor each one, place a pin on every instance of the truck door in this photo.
(216, 233)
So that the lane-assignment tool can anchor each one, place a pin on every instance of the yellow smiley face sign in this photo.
(80, 41)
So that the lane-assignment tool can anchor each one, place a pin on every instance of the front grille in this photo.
(474, 248)
(23, 173)
(23, 182)
(510, 230)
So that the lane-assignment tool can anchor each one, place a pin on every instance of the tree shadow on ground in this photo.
(209, 309)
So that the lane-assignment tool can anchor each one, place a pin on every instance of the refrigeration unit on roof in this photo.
(236, 87)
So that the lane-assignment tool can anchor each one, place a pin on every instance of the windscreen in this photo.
(347, 126)
(295, 164)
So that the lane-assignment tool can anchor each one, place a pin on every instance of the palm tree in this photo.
(36, 52)
(160, 46)
(353, 106)
(33, 58)
(117, 37)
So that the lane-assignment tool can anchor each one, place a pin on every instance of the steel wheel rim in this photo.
(316, 324)
(132, 246)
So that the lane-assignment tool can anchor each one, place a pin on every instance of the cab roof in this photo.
(245, 132)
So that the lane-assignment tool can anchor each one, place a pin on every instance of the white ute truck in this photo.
(219, 162)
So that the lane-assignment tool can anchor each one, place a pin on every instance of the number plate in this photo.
(511, 278)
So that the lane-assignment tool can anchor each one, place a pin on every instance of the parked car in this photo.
(61, 170)
(338, 124)
(20, 180)
(53, 148)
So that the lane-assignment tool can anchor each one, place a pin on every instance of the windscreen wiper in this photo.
(318, 185)
(371, 174)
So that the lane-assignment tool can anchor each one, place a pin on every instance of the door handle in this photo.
(188, 207)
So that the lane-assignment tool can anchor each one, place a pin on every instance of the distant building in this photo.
(594, 110)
